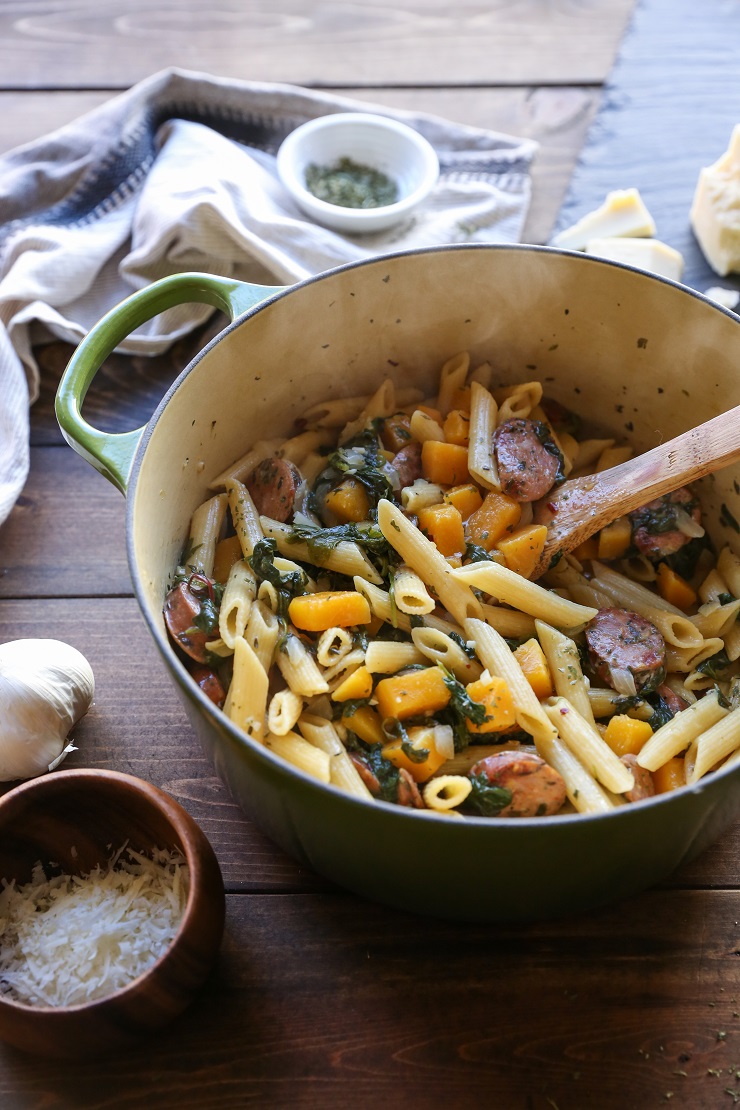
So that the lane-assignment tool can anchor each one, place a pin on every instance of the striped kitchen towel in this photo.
(178, 173)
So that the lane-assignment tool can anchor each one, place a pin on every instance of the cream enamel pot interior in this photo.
(636, 354)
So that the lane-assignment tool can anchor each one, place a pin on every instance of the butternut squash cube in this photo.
(495, 696)
(329, 609)
(498, 515)
(348, 501)
(466, 499)
(627, 735)
(417, 693)
(615, 538)
(366, 724)
(357, 685)
(457, 427)
(446, 464)
(420, 740)
(670, 776)
(228, 552)
(531, 658)
(443, 524)
(674, 589)
(522, 549)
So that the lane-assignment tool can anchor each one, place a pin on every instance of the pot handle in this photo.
(112, 453)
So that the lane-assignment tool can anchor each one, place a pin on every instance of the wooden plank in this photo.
(669, 109)
(94, 43)
(65, 534)
(326, 1001)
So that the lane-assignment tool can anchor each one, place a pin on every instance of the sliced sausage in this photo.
(622, 641)
(367, 776)
(561, 418)
(654, 531)
(537, 790)
(407, 464)
(395, 432)
(673, 700)
(526, 469)
(408, 791)
(644, 786)
(210, 684)
(273, 485)
(181, 608)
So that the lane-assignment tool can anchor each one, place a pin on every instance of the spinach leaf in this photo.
(366, 534)
(715, 665)
(474, 553)
(394, 730)
(288, 586)
(487, 800)
(385, 772)
(362, 458)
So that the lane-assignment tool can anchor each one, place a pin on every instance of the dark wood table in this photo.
(321, 999)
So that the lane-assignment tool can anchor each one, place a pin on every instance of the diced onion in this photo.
(686, 524)
(623, 681)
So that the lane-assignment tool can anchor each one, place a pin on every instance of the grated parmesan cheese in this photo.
(72, 939)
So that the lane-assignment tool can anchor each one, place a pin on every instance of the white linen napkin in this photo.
(178, 173)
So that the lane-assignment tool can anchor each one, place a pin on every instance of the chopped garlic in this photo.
(72, 939)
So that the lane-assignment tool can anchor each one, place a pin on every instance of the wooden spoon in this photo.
(579, 508)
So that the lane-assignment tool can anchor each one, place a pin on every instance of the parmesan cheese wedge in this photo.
(715, 211)
(648, 254)
(623, 213)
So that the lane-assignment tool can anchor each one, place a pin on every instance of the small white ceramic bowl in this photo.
(369, 140)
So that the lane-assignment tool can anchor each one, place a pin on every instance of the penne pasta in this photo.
(424, 427)
(439, 647)
(345, 558)
(236, 603)
(299, 668)
(302, 755)
(283, 712)
(712, 746)
(516, 402)
(422, 555)
(588, 746)
(675, 736)
(410, 593)
(246, 700)
(496, 656)
(205, 530)
(244, 516)
(481, 459)
(564, 661)
(342, 771)
(507, 586)
(452, 377)
(446, 792)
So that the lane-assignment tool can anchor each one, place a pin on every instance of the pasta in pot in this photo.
(359, 600)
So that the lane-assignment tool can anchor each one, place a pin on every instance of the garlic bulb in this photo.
(46, 686)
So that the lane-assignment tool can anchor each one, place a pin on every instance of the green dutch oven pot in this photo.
(634, 354)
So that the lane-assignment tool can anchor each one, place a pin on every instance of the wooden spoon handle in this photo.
(582, 507)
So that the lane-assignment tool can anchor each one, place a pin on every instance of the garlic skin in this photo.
(46, 686)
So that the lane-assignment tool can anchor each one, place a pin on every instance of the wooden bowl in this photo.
(77, 819)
